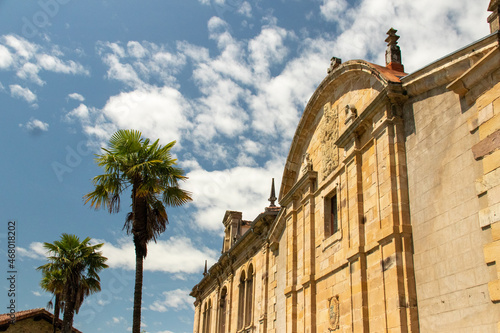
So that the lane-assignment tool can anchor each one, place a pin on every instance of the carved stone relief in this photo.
(333, 313)
(329, 134)
(306, 164)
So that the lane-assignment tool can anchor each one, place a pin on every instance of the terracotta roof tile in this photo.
(389, 74)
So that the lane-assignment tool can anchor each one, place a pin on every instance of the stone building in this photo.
(30, 321)
(389, 217)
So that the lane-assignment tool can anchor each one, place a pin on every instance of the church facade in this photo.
(389, 208)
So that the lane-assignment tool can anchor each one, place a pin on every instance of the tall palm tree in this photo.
(151, 172)
(79, 264)
(53, 282)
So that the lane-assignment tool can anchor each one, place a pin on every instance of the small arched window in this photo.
(222, 311)
(206, 317)
(241, 301)
(249, 297)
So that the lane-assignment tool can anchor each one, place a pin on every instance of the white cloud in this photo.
(122, 72)
(245, 9)
(139, 63)
(53, 64)
(279, 101)
(332, 10)
(22, 93)
(35, 126)
(136, 50)
(116, 320)
(35, 251)
(158, 112)
(252, 147)
(36, 293)
(5, 57)
(102, 302)
(76, 97)
(177, 255)
(244, 189)
(21, 46)
(29, 72)
(81, 112)
(268, 48)
(237, 94)
(28, 60)
(177, 299)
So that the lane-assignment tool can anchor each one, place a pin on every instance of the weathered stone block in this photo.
(492, 252)
(494, 289)
(495, 231)
(489, 215)
(491, 162)
(487, 146)
(488, 181)
(485, 114)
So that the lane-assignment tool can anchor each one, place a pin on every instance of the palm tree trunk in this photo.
(69, 311)
(136, 326)
(56, 313)
(139, 231)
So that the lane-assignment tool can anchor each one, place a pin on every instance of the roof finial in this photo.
(205, 272)
(272, 198)
(393, 52)
(494, 18)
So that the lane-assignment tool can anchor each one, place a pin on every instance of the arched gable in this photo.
(350, 87)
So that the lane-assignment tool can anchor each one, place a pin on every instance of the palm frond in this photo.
(175, 196)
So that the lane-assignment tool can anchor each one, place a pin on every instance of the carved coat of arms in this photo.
(329, 134)
(333, 313)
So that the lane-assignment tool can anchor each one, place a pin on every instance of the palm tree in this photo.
(53, 282)
(79, 264)
(151, 172)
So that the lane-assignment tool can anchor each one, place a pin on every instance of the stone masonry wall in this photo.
(29, 325)
(486, 122)
(450, 271)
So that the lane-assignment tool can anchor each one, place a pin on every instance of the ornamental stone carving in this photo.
(333, 313)
(329, 134)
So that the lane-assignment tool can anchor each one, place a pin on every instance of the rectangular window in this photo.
(331, 216)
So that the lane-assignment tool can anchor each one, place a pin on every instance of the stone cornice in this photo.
(310, 175)
(450, 67)
(489, 63)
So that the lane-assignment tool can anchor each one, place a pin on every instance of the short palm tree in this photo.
(151, 172)
(79, 263)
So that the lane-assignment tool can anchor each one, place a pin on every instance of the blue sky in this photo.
(227, 79)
